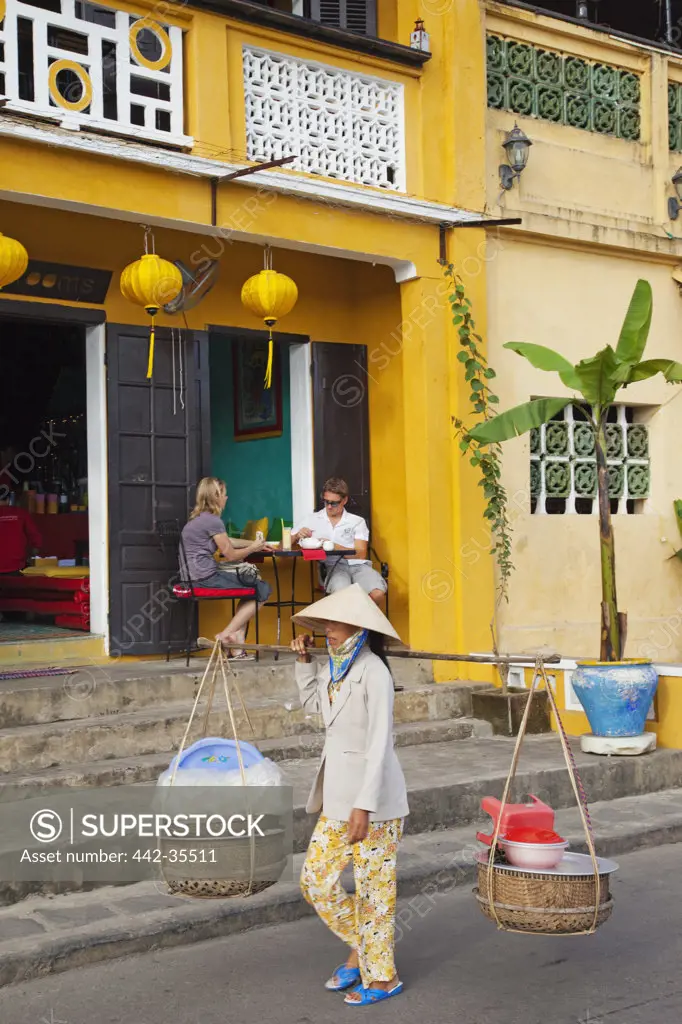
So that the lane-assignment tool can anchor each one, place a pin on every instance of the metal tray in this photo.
(572, 864)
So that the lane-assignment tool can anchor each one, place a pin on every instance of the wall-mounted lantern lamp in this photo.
(419, 39)
(517, 146)
(582, 10)
(675, 202)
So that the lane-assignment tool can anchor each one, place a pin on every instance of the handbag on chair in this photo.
(247, 573)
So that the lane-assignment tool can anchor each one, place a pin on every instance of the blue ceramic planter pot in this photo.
(616, 696)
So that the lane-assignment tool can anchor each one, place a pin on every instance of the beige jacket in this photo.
(359, 767)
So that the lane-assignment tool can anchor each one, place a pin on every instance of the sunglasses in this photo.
(331, 504)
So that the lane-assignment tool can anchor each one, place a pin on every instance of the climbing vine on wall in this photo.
(486, 458)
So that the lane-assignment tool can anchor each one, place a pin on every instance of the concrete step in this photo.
(49, 935)
(93, 690)
(134, 733)
(57, 651)
(447, 781)
(148, 767)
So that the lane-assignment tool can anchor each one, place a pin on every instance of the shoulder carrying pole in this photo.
(400, 652)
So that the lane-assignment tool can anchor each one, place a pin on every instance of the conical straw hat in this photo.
(351, 605)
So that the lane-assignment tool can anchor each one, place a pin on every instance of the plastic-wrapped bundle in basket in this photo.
(573, 898)
(231, 865)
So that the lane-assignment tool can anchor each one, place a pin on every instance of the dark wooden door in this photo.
(158, 450)
(341, 420)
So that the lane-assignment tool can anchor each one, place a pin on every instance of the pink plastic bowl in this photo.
(533, 855)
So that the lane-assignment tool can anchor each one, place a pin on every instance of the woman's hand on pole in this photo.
(358, 825)
(300, 646)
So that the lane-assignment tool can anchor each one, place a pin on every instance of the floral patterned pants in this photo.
(365, 922)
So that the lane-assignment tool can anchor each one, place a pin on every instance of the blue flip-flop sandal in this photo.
(342, 978)
(373, 995)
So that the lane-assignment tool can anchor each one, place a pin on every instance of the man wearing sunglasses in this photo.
(347, 531)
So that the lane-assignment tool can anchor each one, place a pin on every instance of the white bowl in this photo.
(311, 543)
(328, 545)
(533, 855)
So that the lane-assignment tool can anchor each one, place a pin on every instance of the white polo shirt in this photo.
(344, 532)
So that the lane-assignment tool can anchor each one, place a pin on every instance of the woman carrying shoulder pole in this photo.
(359, 789)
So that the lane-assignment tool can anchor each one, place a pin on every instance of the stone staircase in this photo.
(106, 727)
(102, 727)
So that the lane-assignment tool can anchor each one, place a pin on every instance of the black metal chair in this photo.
(188, 593)
(326, 576)
(383, 569)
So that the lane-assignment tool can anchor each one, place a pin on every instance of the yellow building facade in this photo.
(134, 117)
(603, 114)
(128, 119)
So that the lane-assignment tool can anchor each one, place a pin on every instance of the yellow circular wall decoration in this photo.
(160, 33)
(81, 73)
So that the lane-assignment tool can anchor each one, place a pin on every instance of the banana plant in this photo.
(597, 381)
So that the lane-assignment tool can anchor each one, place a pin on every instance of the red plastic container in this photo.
(534, 836)
(533, 815)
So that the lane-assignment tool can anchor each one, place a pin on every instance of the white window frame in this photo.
(98, 480)
(301, 400)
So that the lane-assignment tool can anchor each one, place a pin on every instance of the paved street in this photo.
(457, 968)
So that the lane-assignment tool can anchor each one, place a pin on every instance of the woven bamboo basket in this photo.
(545, 904)
(552, 903)
(230, 866)
(254, 864)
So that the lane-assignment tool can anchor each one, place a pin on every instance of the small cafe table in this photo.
(310, 555)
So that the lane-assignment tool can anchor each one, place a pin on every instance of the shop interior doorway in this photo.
(44, 532)
(261, 438)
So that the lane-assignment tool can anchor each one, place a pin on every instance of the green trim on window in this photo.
(675, 117)
(563, 463)
(534, 82)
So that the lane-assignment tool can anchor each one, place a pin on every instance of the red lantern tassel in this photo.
(150, 364)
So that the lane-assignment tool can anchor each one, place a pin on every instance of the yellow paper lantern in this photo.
(13, 260)
(151, 282)
(269, 295)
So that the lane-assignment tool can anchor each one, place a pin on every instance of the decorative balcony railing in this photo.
(339, 124)
(531, 80)
(92, 66)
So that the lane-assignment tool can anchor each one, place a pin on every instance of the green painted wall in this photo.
(258, 473)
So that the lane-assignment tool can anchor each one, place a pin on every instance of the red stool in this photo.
(186, 592)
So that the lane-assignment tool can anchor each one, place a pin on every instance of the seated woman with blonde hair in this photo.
(205, 534)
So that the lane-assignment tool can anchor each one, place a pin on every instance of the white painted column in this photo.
(98, 483)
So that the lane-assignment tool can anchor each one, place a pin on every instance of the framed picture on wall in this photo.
(257, 411)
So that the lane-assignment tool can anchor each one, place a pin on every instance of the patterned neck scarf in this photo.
(342, 658)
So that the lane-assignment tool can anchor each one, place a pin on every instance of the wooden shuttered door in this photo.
(159, 447)
(354, 15)
(341, 421)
